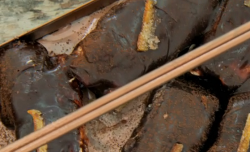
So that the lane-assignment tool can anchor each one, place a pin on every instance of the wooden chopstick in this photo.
(131, 90)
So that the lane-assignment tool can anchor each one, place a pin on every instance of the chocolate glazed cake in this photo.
(181, 116)
(18, 58)
(109, 53)
(233, 124)
(231, 67)
(29, 81)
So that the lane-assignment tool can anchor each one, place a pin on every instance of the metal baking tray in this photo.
(61, 21)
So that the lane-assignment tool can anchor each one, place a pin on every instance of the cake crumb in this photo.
(196, 72)
(7, 136)
(165, 116)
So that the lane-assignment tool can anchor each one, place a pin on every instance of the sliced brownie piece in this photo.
(181, 116)
(108, 55)
(233, 124)
(233, 66)
(28, 83)
(17, 58)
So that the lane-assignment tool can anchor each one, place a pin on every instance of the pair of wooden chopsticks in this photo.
(131, 90)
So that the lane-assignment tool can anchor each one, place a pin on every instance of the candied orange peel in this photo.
(147, 40)
(245, 138)
(177, 148)
(247, 3)
(38, 124)
(83, 137)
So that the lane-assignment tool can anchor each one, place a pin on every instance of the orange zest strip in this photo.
(83, 137)
(177, 148)
(38, 124)
(245, 138)
(147, 40)
(247, 3)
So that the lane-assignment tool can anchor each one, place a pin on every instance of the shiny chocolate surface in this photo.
(181, 113)
(233, 124)
(29, 80)
(233, 66)
(109, 55)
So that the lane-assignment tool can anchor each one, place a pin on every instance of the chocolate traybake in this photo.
(109, 53)
(181, 113)
(203, 110)
(233, 124)
(231, 67)
(29, 81)
(18, 58)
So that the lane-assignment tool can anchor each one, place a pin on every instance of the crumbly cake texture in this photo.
(110, 132)
(65, 39)
(7, 136)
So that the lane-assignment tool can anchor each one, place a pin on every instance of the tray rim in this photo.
(58, 22)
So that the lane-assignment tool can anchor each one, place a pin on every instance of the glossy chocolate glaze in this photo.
(181, 113)
(18, 58)
(233, 66)
(109, 55)
(37, 87)
(243, 88)
(233, 124)
(50, 93)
